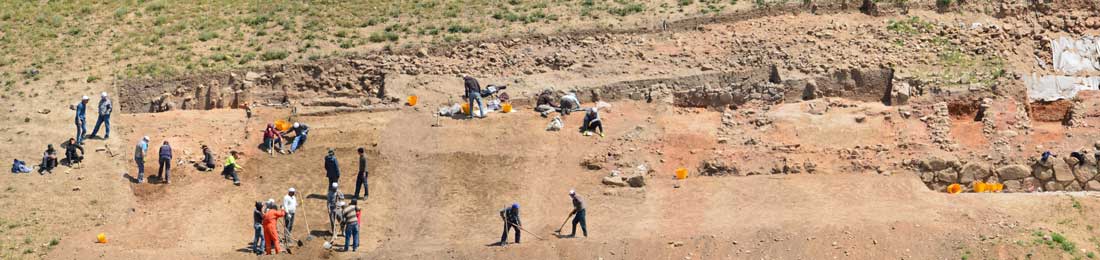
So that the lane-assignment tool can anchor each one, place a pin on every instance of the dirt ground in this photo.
(437, 183)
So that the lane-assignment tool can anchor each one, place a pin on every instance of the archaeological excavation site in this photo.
(692, 129)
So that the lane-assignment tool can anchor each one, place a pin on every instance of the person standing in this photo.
(139, 157)
(361, 177)
(334, 197)
(510, 216)
(257, 225)
(81, 122)
(332, 167)
(351, 226)
(271, 234)
(290, 204)
(473, 93)
(578, 213)
(164, 172)
(105, 109)
(270, 135)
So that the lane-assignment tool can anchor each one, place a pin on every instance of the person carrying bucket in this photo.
(473, 93)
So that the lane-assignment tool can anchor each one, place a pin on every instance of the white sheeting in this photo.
(1076, 55)
(1051, 88)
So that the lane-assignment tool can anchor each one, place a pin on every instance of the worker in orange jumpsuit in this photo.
(271, 236)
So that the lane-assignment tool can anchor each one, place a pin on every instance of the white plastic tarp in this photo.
(1051, 88)
(1076, 55)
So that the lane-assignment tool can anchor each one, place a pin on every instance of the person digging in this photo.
(578, 211)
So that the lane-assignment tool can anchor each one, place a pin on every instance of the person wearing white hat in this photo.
(290, 204)
(335, 198)
(301, 133)
(579, 212)
(81, 122)
(105, 109)
(139, 157)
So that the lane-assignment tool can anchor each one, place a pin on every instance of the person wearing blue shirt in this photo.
(81, 130)
(105, 109)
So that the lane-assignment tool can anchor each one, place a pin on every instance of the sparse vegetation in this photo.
(913, 25)
(274, 55)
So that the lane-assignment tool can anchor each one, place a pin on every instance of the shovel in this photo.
(528, 232)
(563, 224)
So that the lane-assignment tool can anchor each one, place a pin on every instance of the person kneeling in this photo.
(592, 122)
(71, 155)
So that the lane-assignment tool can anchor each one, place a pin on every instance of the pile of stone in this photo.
(635, 179)
(1064, 173)
(940, 125)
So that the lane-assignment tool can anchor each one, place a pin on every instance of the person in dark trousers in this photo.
(578, 213)
(49, 160)
(165, 169)
(71, 156)
(473, 93)
(510, 216)
(231, 167)
(80, 120)
(105, 109)
(257, 225)
(361, 177)
(332, 167)
(592, 122)
(351, 226)
(1080, 156)
(207, 163)
(139, 157)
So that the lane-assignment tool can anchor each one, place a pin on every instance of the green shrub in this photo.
(207, 35)
(274, 55)
(628, 9)
(685, 2)
(376, 37)
(458, 28)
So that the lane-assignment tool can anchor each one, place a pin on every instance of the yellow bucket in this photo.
(102, 238)
(954, 188)
(997, 187)
(412, 100)
(681, 173)
(506, 108)
(466, 108)
(980, 186)
(282, 125)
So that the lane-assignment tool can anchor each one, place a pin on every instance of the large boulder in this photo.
(1052, 186)
(1072, 186)
(927, 177)
(636, 181)
(1013, 172)
(973, 171)
(1062, 171)
(715, 167)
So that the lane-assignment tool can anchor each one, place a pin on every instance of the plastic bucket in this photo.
(506, 108)
(282, 125)
(681, 173)
(101, 238)
(980, 186)
(954, 188)
(466, 108)
(412, 100)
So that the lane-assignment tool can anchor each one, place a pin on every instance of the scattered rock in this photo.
(614, 181)
(636, 181)
(1062, 171)
(76, 188)
(1093, 185)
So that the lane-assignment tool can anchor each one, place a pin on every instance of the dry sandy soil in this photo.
(437, 183)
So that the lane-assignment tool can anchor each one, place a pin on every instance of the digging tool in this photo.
(563, 223)
(528, 232)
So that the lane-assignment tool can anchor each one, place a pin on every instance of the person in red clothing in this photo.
(272, 139)
(271, 235)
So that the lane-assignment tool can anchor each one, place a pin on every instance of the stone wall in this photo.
(345, 82)
(1062, 173)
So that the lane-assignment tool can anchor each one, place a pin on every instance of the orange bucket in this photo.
(980, 186)
(681, 173)
(506, 108)
(101, 238)
(954, 188)
(466, 108)
(412, 100)
(282, 125)
(997, 187)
